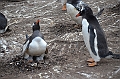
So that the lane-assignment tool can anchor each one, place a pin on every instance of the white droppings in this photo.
(57, 69)
(40, 75)
(85, 74)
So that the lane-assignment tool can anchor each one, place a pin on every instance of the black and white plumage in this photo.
(35, 45)
(3, 23)
(69, 6)
(93, 35)
(72, 11)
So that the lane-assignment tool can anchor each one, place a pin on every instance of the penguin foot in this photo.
(91, 60)
(30, 59)
(64, 7)
(39, 58)
(92, 64)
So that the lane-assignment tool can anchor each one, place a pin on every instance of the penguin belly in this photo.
(86, 37)
(72, 11)
(37, 47)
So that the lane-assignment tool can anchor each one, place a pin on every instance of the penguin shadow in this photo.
(107, 62)
(18, 62)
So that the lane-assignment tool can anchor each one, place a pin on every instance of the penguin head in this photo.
(73, 2)
(36, 25)
(83, 9)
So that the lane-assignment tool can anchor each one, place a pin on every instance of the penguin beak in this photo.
(78, 15)
(37, 22)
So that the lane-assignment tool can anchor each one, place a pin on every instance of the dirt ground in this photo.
(67, 52)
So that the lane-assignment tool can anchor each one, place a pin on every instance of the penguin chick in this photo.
(3, 23)
(93, 35)
(35, 45)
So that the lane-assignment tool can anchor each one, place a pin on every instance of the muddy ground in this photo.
(67, 52)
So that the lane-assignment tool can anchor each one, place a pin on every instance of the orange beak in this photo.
(78, 15)
(37, 21)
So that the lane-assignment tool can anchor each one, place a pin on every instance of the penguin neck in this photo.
(36, 31)
(88, 16)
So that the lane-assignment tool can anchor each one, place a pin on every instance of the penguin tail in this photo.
(27, 36)
(114, 56)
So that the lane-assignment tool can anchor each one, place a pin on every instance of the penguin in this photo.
(72, 11)
(35, 46)
(3, 23)
(63, 5)
(93, 36)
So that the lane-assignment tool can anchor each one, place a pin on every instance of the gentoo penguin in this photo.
(72, 11)
(93, 35)
(63, 4)
(35, 45)
(3, 23)
(68, 5)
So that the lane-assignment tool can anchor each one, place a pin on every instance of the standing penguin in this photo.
(35, 46)
(72, 11)
(93, 35)
(69, 5)
(3, 23)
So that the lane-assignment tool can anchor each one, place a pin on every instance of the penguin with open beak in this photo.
(35, 46)
(72, 11)
(3, 23)
(94, 36)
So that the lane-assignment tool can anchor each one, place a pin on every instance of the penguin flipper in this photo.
(46, 51)
(91, 30)
(99, 13)
(25, 46)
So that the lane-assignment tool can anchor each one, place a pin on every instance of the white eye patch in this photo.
(80, 6)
